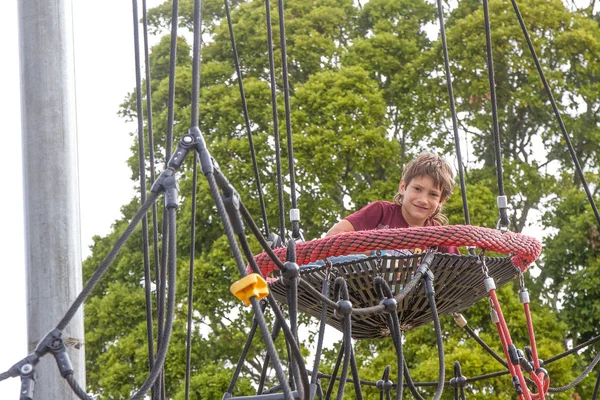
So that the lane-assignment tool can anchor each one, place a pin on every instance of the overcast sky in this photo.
(104, 63)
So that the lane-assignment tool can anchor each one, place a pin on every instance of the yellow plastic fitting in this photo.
(248, 286)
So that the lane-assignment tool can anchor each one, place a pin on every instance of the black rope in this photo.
(563, 129)
(106, 263)
(244, 353)
(596, 387)
(333, 377)
(142, 171)
(297, 359)
(214, 189)
(354, 369)
(275, 120)
(573, 350)
(188, 351)
(463, 189)
(485, 346)
(340, 293)
(288, 119)
(162, 351)
(495, 127)
(263, 374)
(261, 240)
(161, 293)
(577, 380)
(438, 331)
(193, 122)
(412, 386)
(247, 119)
(322, 324)
(385, 294)
(76, 388)
(152, 167)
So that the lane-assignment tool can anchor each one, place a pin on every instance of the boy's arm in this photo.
(341, 227)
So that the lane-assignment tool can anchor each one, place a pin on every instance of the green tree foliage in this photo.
(367, 92)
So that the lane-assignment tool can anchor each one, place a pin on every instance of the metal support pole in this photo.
(50, 182)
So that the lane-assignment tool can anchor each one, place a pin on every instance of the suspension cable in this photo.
(152, 167)
(275, 120)
(495, 127)
(247, 119)
(288, 118)
(142, 172)
(563, 129)
(193, 122)
(106, 263)
(463, 189)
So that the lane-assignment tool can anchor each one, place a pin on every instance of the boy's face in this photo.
(421, 199)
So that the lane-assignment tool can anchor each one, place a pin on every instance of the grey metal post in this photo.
(50, 182)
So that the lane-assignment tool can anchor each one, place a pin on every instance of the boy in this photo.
(427, 182)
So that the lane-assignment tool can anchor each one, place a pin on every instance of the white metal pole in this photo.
(50, 182)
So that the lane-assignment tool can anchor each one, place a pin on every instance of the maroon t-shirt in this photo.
(386, 215)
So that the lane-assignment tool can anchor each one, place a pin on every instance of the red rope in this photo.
(524, 248)
(541, 383)
(507, 341)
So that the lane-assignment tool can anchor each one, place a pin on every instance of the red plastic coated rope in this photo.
(524, 248)
(508, 341)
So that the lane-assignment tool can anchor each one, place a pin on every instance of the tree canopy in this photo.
(368, 92)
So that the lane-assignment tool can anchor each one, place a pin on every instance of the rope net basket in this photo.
(458, 279)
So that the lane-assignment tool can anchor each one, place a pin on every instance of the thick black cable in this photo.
(172, 75)
(161, 354)
(438, 333)
(322, 324)
(263, 375)
(577, 380)
(276, 137)
(272, 351)
(573, 350)
(169, 141)
(596, 387)
(556, 112)
(355, 378)
(302, 378)
(384, 378)
(151, 161)
(495, 126)
(385, 294)
(244, 353)
(214, 189)
(463, 188)
(78, 390)
(161, 294)
(106, 263)
(340, 294)
(188, 350)
(410, 286)
(142, 172)
(333, 377)
(292, 300)
(261, 240)
(193, 122)
(412, 386)
(485, 346)
(288, 118)
(238, 71)
(196, 62)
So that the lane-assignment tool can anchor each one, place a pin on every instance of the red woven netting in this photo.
(524, 248)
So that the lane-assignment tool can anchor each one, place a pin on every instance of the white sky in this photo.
(104, 63)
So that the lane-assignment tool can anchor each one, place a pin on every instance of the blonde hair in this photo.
(431, 165)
